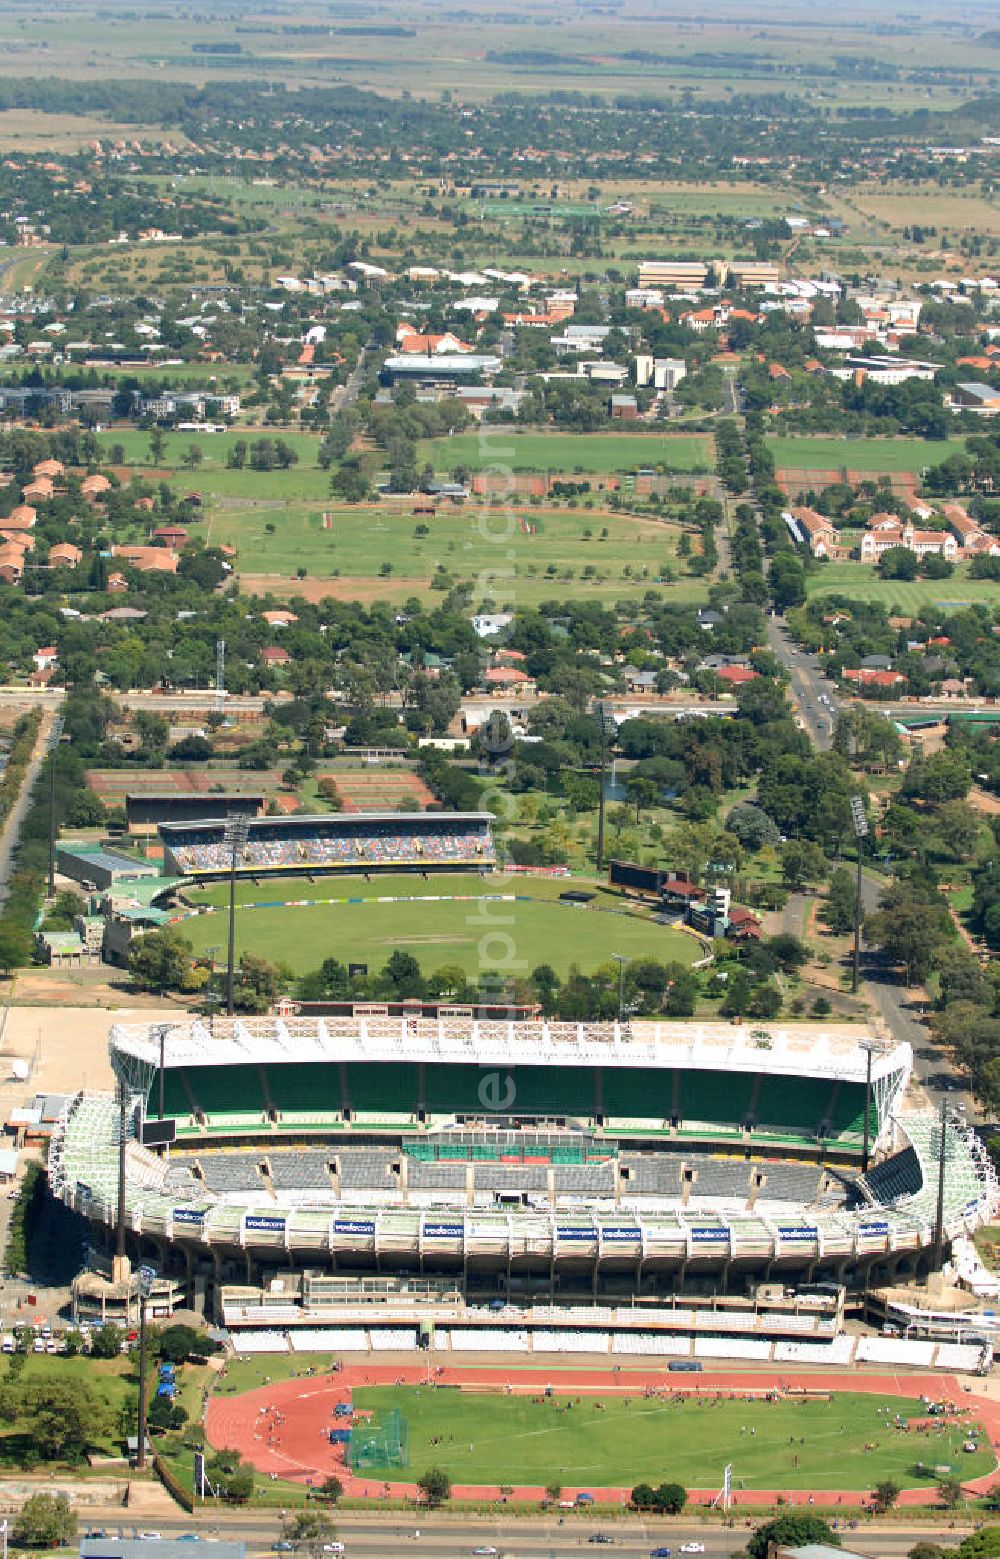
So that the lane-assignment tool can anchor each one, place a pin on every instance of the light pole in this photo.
(621, 961)
(942, 1155)
(869, 1046)
(145, 1276)
(235, 838)
(860, 822)
(604, 719)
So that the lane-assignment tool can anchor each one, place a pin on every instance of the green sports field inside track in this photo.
(618, 1442)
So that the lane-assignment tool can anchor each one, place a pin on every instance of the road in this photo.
(48, 735)
(528, 1538)
(814, 698)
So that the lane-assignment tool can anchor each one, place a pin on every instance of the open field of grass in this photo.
(591, 453)
(111, 1380)
(862, 454)
(928, 205)
(806, 1444)
(473, 934)
(214, 449)
(467, 542)
(862, 583)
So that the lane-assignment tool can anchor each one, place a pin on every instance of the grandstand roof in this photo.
(834, 1051)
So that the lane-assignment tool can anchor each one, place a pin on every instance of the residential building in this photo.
(623, 408)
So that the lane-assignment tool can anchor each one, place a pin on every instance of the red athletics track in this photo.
(283, 1428)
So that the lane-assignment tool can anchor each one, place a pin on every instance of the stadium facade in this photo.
(556, 1160)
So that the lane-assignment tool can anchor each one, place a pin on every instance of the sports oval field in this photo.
(473, 922)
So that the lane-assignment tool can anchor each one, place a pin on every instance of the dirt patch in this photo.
(983, 801)
(347, 587)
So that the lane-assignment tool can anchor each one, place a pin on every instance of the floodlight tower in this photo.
(236, 840)
(860, 822)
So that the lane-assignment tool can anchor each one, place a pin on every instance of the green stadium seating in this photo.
(714, 1101)
(384, 1089)
(553, 1091)
(304, 1087)
(636, 1093)
(228, 1096)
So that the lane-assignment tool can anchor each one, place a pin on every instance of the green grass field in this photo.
(468, 542)
(593, 453)
(886, 455)
(474, 936)
(861, 582)
(112, 1380)
(796, 1445)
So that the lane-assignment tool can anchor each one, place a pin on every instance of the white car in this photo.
(334, 1548)
(692, 1548)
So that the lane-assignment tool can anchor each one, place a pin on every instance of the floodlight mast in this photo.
(235, 836)
(860, 822)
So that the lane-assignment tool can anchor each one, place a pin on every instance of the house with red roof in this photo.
(736, 676)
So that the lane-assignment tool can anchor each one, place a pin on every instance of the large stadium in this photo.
(283, 1172)
(476, 1180)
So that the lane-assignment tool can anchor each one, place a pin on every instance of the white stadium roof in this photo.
(837, 1051)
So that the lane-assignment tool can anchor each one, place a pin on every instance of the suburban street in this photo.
(449, 1536)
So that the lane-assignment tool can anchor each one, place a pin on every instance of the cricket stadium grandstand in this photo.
(364, 842)
(364, 1178)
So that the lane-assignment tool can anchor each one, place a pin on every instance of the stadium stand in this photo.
(838, 1351)
(367, 842)
(484, 1340)
(262, 1342)
(569, 1342)
(392, 1339)
(332, 1339)
(732, 1348)
(894, 1350)
(231, 1171)
(651, 1343)
(958, 1356)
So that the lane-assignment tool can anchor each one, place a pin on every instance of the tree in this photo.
(950, 1490)
(670, 1498)
(790, 1532)
(802, 862)
(309, 1529)
(553, 1492)
(178, 1342)
(789, 952)
(157, 444)
(44, 1521)
(331, 1488)
(838, 908)
(884, 1495)
(910, 929)
(402, 972)
(898, 563)
(984, 1544)
(160, 960)
(164, 1413)
(192, 456)
(435, 1486)
(15, 946)
(229, 1477)
(926, 1550)
(63, 1418)
(643, 1496)
(257, 985)
(751, 826)
(787, 581)
(106, 1342)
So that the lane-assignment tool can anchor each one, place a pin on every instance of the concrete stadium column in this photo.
(335, 1174)
(550, 1185)
(688, 1176)
(470, 1185)
(404, 1177)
